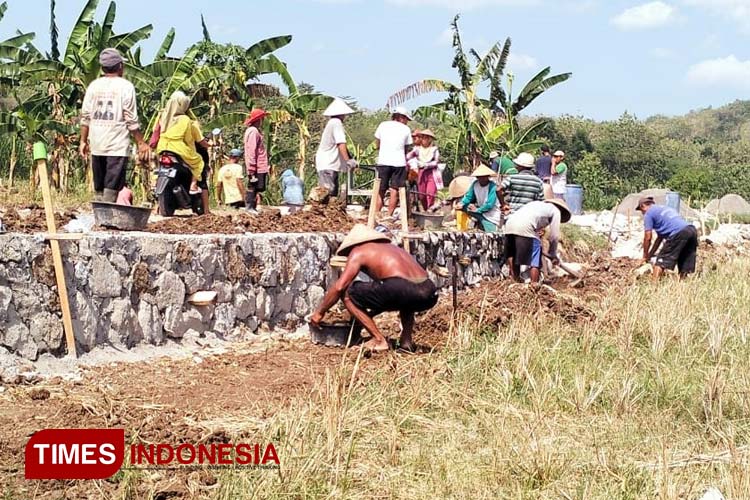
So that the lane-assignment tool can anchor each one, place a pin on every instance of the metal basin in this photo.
(336, 334)
(123, 217)
(425, 220)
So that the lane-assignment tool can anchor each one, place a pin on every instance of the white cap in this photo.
(400, 110)
(494, 155)
(338, 108)
(559, 153)
(525, 160)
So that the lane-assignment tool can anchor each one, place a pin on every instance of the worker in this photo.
(392, 138)
(293, 189)
(398, 283)
(256, 159)
(106, 134)
(481, 202)
(559, 178)
(521, 188)
(680, 238)
(523, 245)
(426, 156)
(332, 156)
(230, 188)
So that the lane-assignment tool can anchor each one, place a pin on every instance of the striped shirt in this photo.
(522, 188)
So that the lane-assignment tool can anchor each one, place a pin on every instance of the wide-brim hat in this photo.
(255, 115)
(400, 110)
(427, 132)
(338, 107)
(525, 160)
(642, 201)
(416, 132)
(357, 236)
(559, 153)
(459, 186)
(483, 171)
(564, 210)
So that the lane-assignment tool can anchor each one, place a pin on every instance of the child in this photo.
(229, 185)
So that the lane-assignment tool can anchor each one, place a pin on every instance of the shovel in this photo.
(578, 282)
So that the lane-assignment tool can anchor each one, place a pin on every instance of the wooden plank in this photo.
(63, 236)
(40, 155)
(404, 217)
(373, 202)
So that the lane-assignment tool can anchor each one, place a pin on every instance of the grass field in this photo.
(650, 400)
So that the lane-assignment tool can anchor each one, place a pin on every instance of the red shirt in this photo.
(256, 157)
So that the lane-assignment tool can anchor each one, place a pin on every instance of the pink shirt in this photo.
(256, 157)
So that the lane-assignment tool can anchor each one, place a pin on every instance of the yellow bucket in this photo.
(462, 220)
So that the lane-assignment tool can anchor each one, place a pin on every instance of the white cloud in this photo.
(648, 15)
(519, 62)
(726, 72)
(661, 53)
(461, 4)
(735, 10)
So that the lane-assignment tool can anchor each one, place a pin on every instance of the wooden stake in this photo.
(40, 156)
(404, 216)
(373, 203)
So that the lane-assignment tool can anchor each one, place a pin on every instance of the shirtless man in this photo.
(398, 284)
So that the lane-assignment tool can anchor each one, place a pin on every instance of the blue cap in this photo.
(235, 153)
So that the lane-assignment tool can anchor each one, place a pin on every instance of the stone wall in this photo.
(130, 288)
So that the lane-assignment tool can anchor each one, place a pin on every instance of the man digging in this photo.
(679, 236)
(398, 284)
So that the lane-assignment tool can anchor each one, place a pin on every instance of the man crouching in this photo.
(398, 284)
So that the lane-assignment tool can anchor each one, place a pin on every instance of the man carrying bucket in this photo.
(398, 284)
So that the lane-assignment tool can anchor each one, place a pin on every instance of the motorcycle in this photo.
(173, 186)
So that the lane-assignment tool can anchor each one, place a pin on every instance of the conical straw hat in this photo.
(338, 108)
(564, 210)
(483, 171)
(459, 186)
(358, 235)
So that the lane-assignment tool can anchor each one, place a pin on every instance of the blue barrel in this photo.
(673, 200)
(574, 198)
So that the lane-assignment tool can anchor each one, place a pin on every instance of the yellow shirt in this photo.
(228, 176)
(180, 138)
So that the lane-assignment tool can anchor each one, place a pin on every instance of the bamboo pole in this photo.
(373, 203)
(404, 217)
(40, 157)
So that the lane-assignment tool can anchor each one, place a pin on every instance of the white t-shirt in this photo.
(394, 137)
(328, 156)
(109, 109)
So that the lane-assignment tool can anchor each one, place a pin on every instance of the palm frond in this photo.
(109, 21)
(497, 92)
(265, 47)
(459, 58)
(531, 92)
(126, 41)
(418, 88)
(272, 64)
(226, 120)
(206, 35)
(3, 9)
(53, 33)
(77, 37)
(165, 45)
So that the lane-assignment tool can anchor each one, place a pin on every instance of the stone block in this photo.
(105, 281)
(224, 318)
(171, 291)
(47, 331)
(85, 320)
(150, 323)
(244, 306)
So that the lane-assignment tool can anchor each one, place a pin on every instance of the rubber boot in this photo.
(110, 195)
(251, 200)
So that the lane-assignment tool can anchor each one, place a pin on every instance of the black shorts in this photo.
(203, 181)
(680, 250)
(259, 185)
(393, 294)
(109, 172)
(393, 177)
(523, 250)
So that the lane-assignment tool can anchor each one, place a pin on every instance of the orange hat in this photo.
(255, 115)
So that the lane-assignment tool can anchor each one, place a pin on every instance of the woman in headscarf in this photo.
(179, 134)
(427, 158)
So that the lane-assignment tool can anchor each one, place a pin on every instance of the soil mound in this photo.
(31, 219)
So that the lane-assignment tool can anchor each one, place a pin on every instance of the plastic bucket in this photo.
(574, 198)
(673, 200)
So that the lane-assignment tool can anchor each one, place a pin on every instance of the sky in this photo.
(646, 58)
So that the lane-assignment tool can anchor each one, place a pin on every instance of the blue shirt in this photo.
(664, 220)
(544, 167)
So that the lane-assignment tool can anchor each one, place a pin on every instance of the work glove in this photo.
(352, 164)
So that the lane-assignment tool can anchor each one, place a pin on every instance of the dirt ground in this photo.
(31, 219)
(315, 218)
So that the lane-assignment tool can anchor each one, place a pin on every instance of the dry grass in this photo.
(649, 401)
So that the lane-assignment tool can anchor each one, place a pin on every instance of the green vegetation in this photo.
(649, 400)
